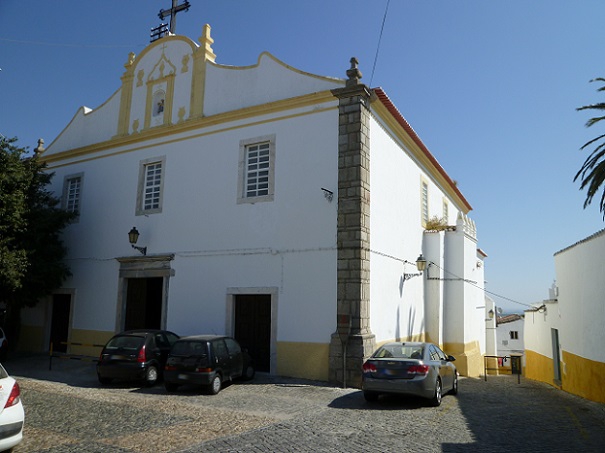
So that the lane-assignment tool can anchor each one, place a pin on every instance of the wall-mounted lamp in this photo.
(133, 237)
(420, 265)
(328, 194)
(491, 314)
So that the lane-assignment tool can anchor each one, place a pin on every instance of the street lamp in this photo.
(133, 237)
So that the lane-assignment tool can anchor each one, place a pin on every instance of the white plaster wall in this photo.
(506, 345)
(434, 249)
(491, 346)
(289, 243)
(537, 327)
(231, 87)
(89, 126)
(579, 271)
(397, 307)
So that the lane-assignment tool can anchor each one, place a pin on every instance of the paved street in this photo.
(66, 411)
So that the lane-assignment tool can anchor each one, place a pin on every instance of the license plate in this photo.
(183, 376)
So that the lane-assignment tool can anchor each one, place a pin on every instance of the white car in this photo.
(3, 345)
(12, 415)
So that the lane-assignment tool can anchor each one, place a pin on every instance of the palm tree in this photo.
(592, 173)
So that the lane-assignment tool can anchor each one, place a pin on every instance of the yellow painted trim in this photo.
(469, 359)
(539, 367)
(88, 337)
(399, 135)
(218, 120)
(126, 95)
(583, 377)
(303, 360)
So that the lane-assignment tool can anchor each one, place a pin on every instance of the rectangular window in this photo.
(425, 202)
(72, 193)
(258, 164)
(153, 185)
(256, 170)
(151, 182)
(514, 335)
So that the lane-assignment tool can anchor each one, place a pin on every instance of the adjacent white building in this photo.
(510, 337)
(564, 336)
(250, 190)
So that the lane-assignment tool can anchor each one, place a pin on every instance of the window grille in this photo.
(153, 185)
(425, 202)
(258, 163)
(72, 202)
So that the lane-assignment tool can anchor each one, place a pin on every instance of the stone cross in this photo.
(172, 13)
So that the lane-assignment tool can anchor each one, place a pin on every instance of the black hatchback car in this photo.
(135, 355)
(208, 361)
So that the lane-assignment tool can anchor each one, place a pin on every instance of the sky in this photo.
(491, 88)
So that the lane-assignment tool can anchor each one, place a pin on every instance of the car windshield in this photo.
(400, 351)
(3, 373)
(126, 342)
(189, 348)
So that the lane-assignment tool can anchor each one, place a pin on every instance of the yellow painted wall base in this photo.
(303, 360)
(583, 377)
(539, 367)
(88, 338)
(580, 376)
(469, 359)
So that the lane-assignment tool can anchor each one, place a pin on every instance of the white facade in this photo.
(510, 337)
(564, 337)
(210, 244)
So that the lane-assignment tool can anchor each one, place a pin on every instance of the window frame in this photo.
(143, 165)
(65, 201)
(244, 146)
(424, 202)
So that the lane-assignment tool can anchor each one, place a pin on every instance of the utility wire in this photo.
(484, 290)
(56, 44)
(384, 18)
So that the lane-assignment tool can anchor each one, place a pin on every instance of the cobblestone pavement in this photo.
(67, 411)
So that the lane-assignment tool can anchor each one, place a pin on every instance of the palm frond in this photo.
(592, 171)
(599, 106)
(590, 142)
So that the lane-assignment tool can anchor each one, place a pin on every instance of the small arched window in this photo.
(158, 103)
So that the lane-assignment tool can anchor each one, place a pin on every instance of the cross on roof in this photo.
(172, 13)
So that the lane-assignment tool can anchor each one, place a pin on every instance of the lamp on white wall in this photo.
(420, 265)
(133, 237)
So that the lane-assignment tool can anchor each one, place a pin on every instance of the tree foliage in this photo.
(592, 172)
(31, 222)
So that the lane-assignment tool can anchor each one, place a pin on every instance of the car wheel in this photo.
(249, 373)
(455, 386)
(436, 400)
(104, 380)
(370, 396)
(215, 385)
(151, 376)
(170, 387)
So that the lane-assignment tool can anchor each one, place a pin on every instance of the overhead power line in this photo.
(57, 44)
(384, 18)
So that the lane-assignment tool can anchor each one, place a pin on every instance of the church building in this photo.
(286, 209)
